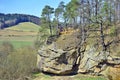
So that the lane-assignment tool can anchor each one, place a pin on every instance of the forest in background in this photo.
(7, 20)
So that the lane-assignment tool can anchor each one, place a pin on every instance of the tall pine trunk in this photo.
(102, 37)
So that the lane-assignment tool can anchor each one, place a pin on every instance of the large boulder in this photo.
(57, 61)
(66, 55)
(60, 56)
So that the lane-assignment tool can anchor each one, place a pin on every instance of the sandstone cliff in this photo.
(66, 55)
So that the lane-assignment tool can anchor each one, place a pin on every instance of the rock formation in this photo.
(65, 56)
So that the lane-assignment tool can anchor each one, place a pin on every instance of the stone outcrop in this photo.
(65, 56)
(59, 58)
(56, 61)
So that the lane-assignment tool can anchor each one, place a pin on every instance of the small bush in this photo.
(18, 64)
(112, 31)
(6, 48)
(41, 38)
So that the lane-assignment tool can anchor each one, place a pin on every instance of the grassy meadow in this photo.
(18, 44)
(23, 34)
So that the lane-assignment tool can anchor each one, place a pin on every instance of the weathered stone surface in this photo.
(56, 61)
(91, 59)
(112, 72)
(60, 56)
(66, 56)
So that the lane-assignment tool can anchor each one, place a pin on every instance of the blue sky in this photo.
(32, 7)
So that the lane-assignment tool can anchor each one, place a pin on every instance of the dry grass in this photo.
(16, 33)
(68, 31)
(25, 26)
(18, 64)
(41, 76)
(68, 40)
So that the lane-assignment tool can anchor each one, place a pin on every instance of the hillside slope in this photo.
(20, 35)
(25, 26)
(22, 32)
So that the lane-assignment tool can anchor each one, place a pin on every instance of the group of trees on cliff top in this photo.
(7, 20)
(82, 14)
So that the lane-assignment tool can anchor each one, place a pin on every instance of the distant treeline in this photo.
(7, 20)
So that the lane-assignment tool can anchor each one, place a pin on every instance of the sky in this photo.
(32, 7)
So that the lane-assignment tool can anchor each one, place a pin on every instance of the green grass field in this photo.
(23, 34)
(19, 44)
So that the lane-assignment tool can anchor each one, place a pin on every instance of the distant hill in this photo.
(7, 20)
(24, 26)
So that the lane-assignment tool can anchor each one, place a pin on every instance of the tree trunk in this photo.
(89, 12)
(102, 37)
(96, 9)
(49, 22)
(83, 29)
(50, 28)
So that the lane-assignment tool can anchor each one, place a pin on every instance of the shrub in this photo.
(112, 31)
(6, 48)
(41, 38)
(19, 64)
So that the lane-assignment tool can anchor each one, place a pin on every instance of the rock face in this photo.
(57, 61)
(64, 56)
(93, 61)
(59, 58)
